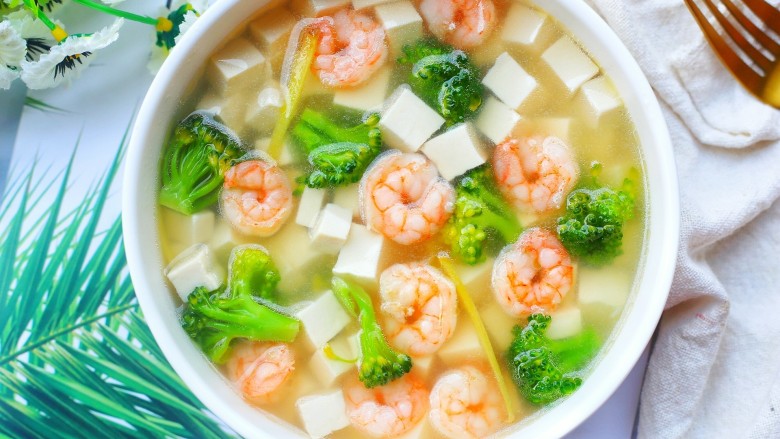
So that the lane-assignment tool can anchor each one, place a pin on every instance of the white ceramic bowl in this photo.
(634, 329)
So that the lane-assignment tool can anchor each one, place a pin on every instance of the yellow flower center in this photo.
(164, 25)
(59, 34)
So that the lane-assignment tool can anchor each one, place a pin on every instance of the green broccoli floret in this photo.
(337, 155)
(543, 369)
(592, 227)
(195, 161)
(378, 363)
(445, 78)
(213, 319)
(479, 216)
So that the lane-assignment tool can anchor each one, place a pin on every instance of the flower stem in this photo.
(33, 7)
(117, 12)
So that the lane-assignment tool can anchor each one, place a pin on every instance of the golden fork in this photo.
(756, 61)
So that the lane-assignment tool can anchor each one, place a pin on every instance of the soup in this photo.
(379, 224)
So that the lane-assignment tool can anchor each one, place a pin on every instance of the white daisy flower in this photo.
(7, 76)
(12, 46)
(66, 60)
(36, 35)
(189, 20)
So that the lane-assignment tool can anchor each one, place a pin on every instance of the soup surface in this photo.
(354, 178)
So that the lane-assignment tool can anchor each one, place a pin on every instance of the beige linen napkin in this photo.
(715, 368)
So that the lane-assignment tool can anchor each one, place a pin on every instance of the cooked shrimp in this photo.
(256, 197)
(351, 48)
(388, 410)
(535, 173)
(403, 197)
(420, 305)
(533, 274)
(463, 23)
(465, 403)
(258, 369)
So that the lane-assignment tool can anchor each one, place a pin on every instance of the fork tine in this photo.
(747, 76)
(769, 44)
(766, 12)
(736, 36)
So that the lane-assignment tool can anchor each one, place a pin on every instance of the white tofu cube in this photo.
(272, 29)
(559, 127)
(348, 197)
(331, 229)
(564, 323)
(421, 366)
(408, 122)
(288, 156)
(477, 279)
(233, 111)
(522, 25)
(188, 229)
(291, 251)
(223, 240)
(369, 96)
(194, 267)
(600, 98)
(509, 82)
(496, 120)
(323, 414)
(401, 22)
(362, 4)
(322, 319)
(309, 206)
(317, 8)
(455, 151)
(498, 324)
(463, 346)
(605, 287)
(210, 103)
(360, 256)
(570, 63)
(261, 113)
(326, 369)
(237, 67)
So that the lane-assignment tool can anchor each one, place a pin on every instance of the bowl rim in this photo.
(663, 219)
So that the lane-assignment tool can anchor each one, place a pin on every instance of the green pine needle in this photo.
(76, 358)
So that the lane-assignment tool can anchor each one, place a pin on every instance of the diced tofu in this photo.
(600, 98)
(522, 25)
(322, 319)
(509, 82)
(237, 68)
(496, 120)
(272, 30)
(309, 206)
(570, 63)
(564, 323)
(348, 197)
(233, 111)
(369, 96)
(331, 229)
(223, 240)
(421, 366)
(210, 103)
(188, 229)
(463, 346)
(287, 157)
(476, 279)
(323, 414)
(194, 267)
(401, 22)
(408, 122)
(455, 151)
(261, 113)
(360, 256)
(555, 126)
(317, 8)
(362, 4)
(327, 370)
(605, 287)
(498, 324)
(291, 251)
